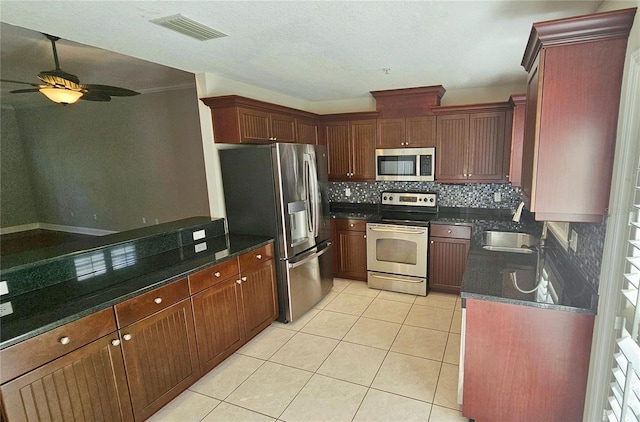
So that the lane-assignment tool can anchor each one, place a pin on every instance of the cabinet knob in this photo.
(469, 174)
(115, 342)
(432, 242)
(351, 224)
(449, 231)
(464, 174)
(243, 278)
(365, 236)
(238, 281)
(158, 300)
(258, 256)
(217, 274)
(64, 340)
(127, 337)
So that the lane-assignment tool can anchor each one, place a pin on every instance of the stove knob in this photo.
(431, 200)
(390, 198)
(384, 198)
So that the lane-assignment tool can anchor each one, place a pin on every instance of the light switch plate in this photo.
(497, 197)
(199, 234)
(4, 288)
(201, 247)
(5, 309)
(347, 191)
(573, 241)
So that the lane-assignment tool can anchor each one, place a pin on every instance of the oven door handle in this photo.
(395, 279)
(404, 231)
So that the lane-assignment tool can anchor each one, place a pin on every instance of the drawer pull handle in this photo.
(217, 274)
(158, 300)
(259, 256)
(64, 340)
(127, 337)
(115, 342)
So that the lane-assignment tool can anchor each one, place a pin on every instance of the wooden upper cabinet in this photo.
(306, 131)
(351, 148)
(411, 132)
(339, 151)
(575, 70)
(473, 143)
(519, 103)
(452, 147)
(243, 120)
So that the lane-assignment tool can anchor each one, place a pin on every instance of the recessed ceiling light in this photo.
(187, 26)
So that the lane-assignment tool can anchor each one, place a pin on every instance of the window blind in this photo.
(624, 398)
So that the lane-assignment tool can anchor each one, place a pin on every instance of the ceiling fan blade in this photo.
(22, 91)
(112, 91)
(95, 96)
(19, 82)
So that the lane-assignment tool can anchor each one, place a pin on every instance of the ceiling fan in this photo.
(65, 88)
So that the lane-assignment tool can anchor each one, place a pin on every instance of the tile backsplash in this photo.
(475, 195)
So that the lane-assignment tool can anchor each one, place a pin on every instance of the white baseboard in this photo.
(56, 227)
(21, 228)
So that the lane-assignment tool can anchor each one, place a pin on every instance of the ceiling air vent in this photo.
(189, 27)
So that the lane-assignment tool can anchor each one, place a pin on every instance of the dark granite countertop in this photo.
(487, 278)
(40, 310)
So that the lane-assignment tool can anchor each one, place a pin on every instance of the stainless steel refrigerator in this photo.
(279, 190)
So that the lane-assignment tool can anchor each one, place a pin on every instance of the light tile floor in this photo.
(359, 355)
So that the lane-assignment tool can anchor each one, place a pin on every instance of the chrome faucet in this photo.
(518, 213)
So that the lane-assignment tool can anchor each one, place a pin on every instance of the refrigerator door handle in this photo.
(310, 256)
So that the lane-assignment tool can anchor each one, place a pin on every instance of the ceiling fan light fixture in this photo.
(61, 95)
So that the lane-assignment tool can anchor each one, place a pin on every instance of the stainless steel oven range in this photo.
(397, 246)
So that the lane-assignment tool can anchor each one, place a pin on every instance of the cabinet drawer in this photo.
(29, 354)
(355, 225)
(148, 303)
(443, 230)
(213, 275)
(255, 257)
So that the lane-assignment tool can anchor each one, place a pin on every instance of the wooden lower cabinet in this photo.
(259, 303)
(86, 384)
(448, 250)
(166, 340)
(523, 363)
(160, 357)
(350, 253)
(219, 322)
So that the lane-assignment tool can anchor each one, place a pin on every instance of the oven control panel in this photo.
(414, 199)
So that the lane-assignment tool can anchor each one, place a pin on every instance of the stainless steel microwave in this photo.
(406, 164)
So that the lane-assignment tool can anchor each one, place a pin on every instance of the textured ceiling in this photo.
(314, 51)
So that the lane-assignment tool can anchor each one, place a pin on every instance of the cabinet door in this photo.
(218, 323)
(447, 262)
(339, 158)
(363, 149)
(517, 137)
(488, 149)
(351, 254)
(254, 125)
(530, 136)
(452, 147)
(87, 384)
(306, 131)
(420, 132)
(161, 357)
(259, 300)
(283, 128)
(391, 133)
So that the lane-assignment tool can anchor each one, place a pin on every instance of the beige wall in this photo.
(17, 207)
(122, 161)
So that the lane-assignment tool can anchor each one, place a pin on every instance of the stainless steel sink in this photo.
(509, 242)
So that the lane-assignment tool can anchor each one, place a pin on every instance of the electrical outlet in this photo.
(497, 197)
(157, 221)
(95, 217)
(4, 288)
(6, 309)
(573, 241)
(347, 191)
(144, 220)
